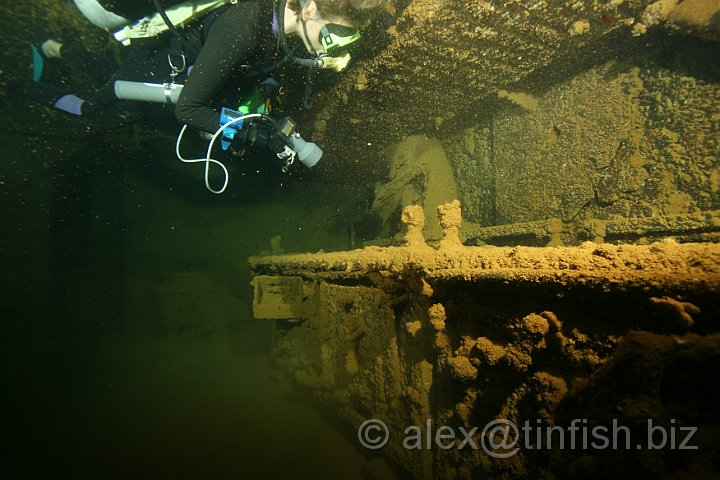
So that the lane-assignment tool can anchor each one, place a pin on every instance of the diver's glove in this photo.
(257, 137)
(230, 126)
(268, 136)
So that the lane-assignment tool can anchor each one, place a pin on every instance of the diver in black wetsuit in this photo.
(236, 35)
(218, 49)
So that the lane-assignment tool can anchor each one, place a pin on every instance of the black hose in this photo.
(274, 66)
(281, 26)
(311, 63)
(186, 44)
(304, 62)
(310, 78)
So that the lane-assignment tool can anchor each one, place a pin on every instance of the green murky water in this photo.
(129, 347)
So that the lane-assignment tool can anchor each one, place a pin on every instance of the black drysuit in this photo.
(234, 36)
(219, 48)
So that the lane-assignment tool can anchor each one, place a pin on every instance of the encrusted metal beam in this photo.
(662, 265)
(554, 230)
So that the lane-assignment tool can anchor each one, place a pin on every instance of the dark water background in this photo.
(129, 348)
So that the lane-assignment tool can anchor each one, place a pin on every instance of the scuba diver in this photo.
(214, 47)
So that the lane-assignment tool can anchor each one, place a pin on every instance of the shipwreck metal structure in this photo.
(460, 336)
(580, 138)
(450, 61)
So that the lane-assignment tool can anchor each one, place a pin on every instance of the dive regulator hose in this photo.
(207, 159)
(183, 40)
(289, 52)
(281, 27)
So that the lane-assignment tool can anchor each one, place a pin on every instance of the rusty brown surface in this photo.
(446, 58)
(462, 336)
(665, 264)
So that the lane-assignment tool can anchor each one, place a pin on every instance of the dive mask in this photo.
(335, 39)
(334, 36)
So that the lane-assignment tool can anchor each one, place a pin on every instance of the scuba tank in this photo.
(167, 18)
(148, 92)
(134, 9)
(135, 19)
(131, 9)
(98, 10)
